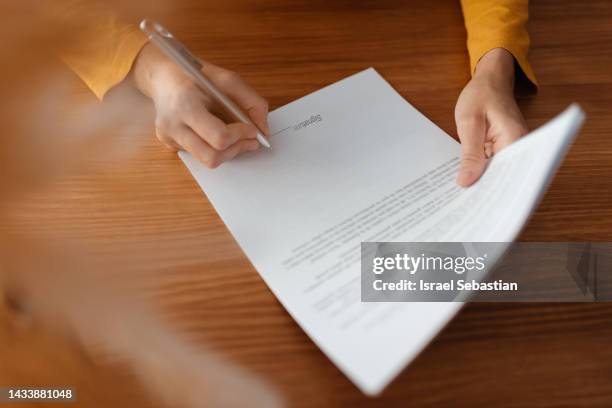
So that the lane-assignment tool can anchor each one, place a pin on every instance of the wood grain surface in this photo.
(490, 355)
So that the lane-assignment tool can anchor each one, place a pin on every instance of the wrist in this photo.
(151, 69)
(497, 65)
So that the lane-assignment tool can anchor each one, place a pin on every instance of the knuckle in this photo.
(263, 104)
(161, 136)
(186, 90)
(250, 132)
(170, 145)
(192, 106)
(228, 77)
(164, 137)
(219, 139)
(162, 124)
(212, 161)
(180, 137)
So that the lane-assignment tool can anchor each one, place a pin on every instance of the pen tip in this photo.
(264, 142)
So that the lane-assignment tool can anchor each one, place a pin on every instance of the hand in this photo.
(187, 119)
(487, 116)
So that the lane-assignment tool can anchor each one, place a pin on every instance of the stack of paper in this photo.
(355, 162)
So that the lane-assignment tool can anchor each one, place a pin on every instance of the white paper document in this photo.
(355, 162)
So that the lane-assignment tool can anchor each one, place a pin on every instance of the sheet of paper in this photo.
(355, 162)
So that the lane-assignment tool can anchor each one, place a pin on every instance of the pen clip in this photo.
(169, 44)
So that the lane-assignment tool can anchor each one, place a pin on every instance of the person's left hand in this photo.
(487, 116)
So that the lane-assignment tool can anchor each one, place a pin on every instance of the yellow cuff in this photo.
(526, 83)
(500, 24)
(121, 65)
(105, 55)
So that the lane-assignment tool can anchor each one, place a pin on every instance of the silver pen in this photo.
(192, 66)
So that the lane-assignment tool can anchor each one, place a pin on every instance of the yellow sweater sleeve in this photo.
(104, 54)
(500, 24)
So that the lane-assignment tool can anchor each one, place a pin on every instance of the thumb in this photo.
(473, 160)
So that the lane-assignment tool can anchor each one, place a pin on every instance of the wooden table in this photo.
(502, 355)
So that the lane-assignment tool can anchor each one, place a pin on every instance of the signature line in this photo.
(281, 131)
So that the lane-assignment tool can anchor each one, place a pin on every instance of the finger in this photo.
(243, 94)
(166, 139)
(215, 132)
(510, 133)
(241, 146)
(507, 124)
(198, 148)
(164, 130)
(488, 150)
(205, 154)
(472, 135)
(242, 131)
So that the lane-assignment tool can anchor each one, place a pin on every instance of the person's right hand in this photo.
(187, 119)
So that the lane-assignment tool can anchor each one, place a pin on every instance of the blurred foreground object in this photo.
(61, 288)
